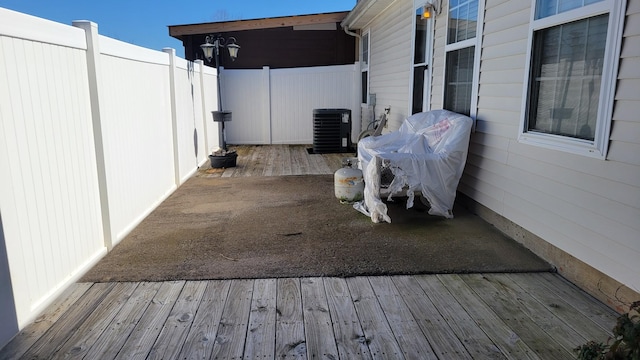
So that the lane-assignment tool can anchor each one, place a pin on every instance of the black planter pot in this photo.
(223, 161)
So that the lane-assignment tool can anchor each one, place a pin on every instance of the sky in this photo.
(144, 22)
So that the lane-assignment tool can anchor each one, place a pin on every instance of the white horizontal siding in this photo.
(498, 103)
(512, 15)
(390, 61)
(626, 110)
(587, 207)
(568, 238)
(627, 89)
(510, 62)
(499, 100)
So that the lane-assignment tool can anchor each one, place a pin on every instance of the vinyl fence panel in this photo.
(276, 106)
(245, 93)
(94, 134)
(189, 118)
(295, 93)
(49, 196)
(137, 131)
(209, 86)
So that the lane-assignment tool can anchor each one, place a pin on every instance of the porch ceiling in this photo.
(364, 12)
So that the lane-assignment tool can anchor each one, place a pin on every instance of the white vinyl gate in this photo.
(275, 106)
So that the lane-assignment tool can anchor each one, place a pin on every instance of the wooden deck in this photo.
(277, 160)
(479, 316)
(470, 316)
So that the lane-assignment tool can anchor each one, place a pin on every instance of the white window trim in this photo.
(599, 147)
(366, 66)
(426, 98)
(477, 42)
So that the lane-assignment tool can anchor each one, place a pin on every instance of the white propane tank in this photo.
(349, 183)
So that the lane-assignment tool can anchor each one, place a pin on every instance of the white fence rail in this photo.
(276, 106)
(94, 134)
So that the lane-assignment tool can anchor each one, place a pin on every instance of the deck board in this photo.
(500, 298)
(379, 335)
(60, 331)
(317, 320)
(405, 328)
(443, 340)
(260, 342)
(232, 332)
(49, 317)
(561, 308)
(95, 324)
(174, 332)
(113, 338)
(350, 338)
(547, 320)
(200, 340)
(508, 340)
(473, 338)
(587, 305)
(290, 340)
(141, 340)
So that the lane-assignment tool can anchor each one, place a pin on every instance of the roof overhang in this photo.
(364, 12)
(178, 31)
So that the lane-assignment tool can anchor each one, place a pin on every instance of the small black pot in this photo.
(223, 161)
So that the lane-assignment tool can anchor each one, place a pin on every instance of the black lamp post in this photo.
(211, 49)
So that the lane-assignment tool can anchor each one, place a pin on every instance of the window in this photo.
(459, 79)
(461, 57)
(421, 58)
(573, 55)
(364, 67)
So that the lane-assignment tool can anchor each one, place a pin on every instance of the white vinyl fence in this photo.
(94, 134)
(275, 106)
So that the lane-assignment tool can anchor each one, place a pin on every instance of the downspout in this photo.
(349, 32)
(357, 36)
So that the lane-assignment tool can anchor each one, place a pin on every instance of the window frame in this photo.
(477, 42)
(364, 65)
(599, 146)
(428, 63)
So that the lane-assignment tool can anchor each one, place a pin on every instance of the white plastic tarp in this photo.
(427, 154)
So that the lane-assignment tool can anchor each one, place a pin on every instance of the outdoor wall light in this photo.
(215, 42)
(430, 9)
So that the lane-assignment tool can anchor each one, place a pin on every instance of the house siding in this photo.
(390, 61)
(499, 101)
(587, 207)
(583, 212)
